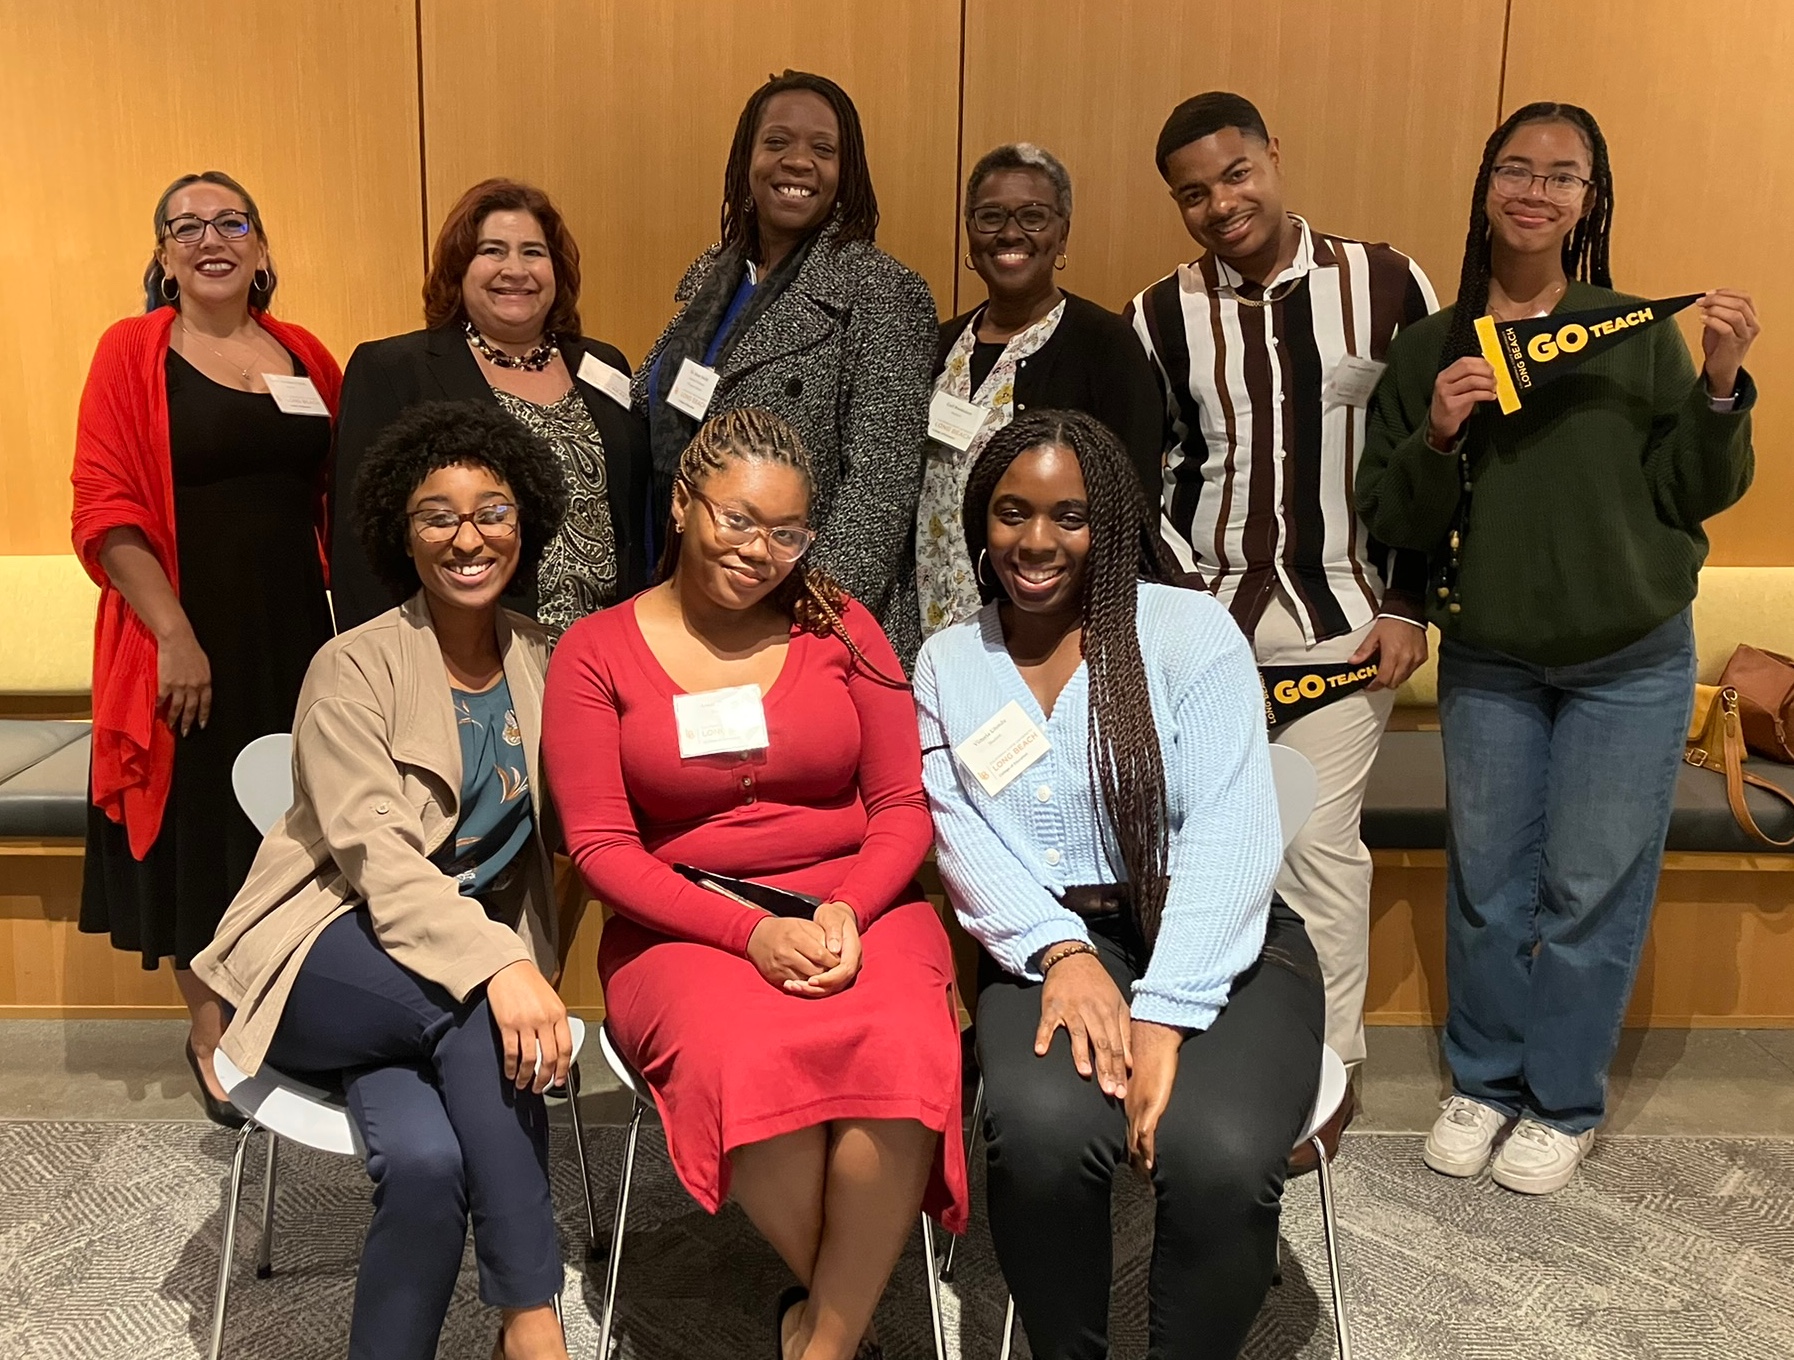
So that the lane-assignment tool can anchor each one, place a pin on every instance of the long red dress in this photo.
(833, 807)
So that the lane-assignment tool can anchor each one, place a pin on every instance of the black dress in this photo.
(246, 480)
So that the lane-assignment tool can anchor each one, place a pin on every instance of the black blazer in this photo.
(385, 378)
(1093, 363)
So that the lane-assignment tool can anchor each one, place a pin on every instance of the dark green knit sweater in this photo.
(1586, 504)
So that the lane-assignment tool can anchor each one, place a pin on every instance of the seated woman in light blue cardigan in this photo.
(1094, 750)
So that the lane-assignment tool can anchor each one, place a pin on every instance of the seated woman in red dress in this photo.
(746, 717)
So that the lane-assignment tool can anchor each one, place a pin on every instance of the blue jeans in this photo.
(447, 1138)
(1559, 782)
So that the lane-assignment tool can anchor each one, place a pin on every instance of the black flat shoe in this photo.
(220, 1112)
(787, 1301)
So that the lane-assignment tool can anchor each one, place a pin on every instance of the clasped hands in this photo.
(1133, 1061)
(812, 958)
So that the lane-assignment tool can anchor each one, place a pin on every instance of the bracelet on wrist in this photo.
(1059, 953)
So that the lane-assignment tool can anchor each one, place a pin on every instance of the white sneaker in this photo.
(1463, 1137)
(1538, 1159)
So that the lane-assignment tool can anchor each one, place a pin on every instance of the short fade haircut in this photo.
(1204, 115)
(439, 434)
(1023, 156)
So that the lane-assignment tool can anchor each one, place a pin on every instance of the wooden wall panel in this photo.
(1381, 109)
(624, 114)
(1698, 110)
(313, 107)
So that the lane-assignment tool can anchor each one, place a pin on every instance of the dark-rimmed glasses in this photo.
(190, 228)
(784, 543)
(1561, 187)
(442, 526)
(991, 218)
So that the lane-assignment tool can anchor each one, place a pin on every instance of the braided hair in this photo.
(811, 598)
(1585, 253)
(1125, 549)
(856, 205)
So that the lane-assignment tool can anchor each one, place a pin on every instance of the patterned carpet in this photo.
(1664, 1248)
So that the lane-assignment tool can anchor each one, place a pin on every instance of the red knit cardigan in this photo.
(124, 477)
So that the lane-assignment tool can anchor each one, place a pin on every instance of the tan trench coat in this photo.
(376, 790)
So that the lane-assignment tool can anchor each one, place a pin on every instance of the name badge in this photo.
(692, 389)
(295, 396)
(715, 721)
(613, 382)
(1004, 747)
(1353, 381)
(953, 422)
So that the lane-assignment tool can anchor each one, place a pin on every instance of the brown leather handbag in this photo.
(1720, 748)
(1765, 685)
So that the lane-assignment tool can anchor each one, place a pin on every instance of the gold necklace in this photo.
(188, 331)
(1270, 298)
(1558, 290)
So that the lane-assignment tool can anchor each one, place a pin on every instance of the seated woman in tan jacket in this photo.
(398, 921)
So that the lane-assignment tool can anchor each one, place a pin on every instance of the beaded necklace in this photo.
(534, 362)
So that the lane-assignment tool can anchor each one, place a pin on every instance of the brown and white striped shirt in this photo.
(1258, 480)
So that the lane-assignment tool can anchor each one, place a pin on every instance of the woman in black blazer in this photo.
(502, 303)
(1029, 346)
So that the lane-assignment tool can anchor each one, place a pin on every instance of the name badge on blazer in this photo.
(714, 721)
(1000, 750)
(953, 422)
(613, 382)
(692, 389)
(295, 396)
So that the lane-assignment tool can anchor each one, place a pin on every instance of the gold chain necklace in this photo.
(1558, 290)
(188, 331)
(1270, 298)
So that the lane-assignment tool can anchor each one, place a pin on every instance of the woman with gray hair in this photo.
(1029, 346)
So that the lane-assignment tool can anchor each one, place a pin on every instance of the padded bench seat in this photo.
(1404, 804)
(43, 779)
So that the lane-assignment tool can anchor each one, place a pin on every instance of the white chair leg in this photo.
(585, 1176)
(227, 1248)
(936, 1321)
(971, 1142)
(1330, 1232)
(264, 1261)
(615, 1264)
(1008, 1329)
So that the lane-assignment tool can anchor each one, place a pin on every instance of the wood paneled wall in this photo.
(624, 114)
(312, 107)
(1697, 107)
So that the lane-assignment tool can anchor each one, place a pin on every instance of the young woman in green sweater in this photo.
(1566, 542)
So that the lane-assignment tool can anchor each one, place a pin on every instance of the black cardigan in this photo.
(385, 378)
(1093, 363)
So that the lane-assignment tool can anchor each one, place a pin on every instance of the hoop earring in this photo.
(1060, 262)
(262, 281)
(169, 295)
(968, 261)
(978, 574)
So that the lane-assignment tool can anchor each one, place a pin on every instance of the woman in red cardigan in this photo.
(200, 464)
(746, 717)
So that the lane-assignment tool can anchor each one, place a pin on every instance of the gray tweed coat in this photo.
(846, 354)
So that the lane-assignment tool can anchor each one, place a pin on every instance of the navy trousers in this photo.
(445, 1134)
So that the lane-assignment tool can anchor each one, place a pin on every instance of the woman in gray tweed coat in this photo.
(796, 310)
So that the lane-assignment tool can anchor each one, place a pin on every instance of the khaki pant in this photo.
(1327, 870)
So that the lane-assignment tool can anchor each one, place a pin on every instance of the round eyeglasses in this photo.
(784, 543)
(1561, 187)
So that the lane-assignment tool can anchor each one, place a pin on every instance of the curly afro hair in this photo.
(441, 434)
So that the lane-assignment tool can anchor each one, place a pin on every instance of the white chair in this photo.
(283, 1107)
(644, 1102)
(1297, 788)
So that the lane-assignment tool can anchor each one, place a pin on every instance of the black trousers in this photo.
(1245, 1088)
(447, 1138)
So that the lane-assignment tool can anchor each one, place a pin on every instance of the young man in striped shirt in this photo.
(1268, 346)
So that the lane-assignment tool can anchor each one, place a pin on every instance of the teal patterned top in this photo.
(496, 817)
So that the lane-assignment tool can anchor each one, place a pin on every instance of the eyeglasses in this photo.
(1030, 217)
(1561, 187)
(441, 526)
(190, 229)
(786, 543)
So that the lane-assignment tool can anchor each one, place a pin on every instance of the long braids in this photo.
(811, 598)
(1125, 549)
(1585, 257)
(1585, 251)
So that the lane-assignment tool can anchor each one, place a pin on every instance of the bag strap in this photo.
(1731, 764)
